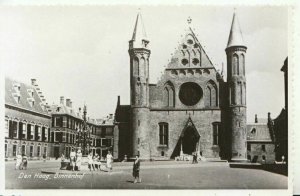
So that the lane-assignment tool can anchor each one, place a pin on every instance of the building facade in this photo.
(191, 108)
(67, 131)
(34, 128)
(27, 121)
(261, 141)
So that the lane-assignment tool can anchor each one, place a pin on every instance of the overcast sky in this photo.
(81, 52)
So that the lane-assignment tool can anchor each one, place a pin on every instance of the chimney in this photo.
(110, 116)
(62, 100)
(68, 102)
(256, 121)
(118, 100)
(33, 82)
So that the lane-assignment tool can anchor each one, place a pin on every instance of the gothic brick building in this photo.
(191, 108)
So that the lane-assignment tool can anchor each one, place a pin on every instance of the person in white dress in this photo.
(72, 159)
(78, 159)
(91, 161)
(109, 160)
(18, 162)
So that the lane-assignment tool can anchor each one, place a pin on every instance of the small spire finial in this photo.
(189, 20)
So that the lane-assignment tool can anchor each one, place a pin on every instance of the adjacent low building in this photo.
(260, 141)
(34, 128)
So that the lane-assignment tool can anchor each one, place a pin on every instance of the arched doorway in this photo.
(189, 140)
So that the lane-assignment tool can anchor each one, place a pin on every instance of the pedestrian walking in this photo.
(90, 161)
(24, 162)
(109, 160)
(72, 159)
(194, 158)
(78, 159)
(18, 162)
(136, 170)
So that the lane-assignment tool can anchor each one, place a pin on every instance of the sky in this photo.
(81, 52)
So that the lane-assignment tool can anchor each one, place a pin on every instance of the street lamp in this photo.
(84, 135)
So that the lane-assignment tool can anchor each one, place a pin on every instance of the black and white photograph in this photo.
(146, 97)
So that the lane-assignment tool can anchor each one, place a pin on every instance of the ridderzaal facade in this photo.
(191, 109)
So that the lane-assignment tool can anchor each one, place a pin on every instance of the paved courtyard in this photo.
(155, 175)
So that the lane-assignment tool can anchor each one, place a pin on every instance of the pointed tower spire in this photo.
(235, 36)
(139, 36)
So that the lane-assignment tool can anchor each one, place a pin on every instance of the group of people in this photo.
(94, 161)
(21, 162)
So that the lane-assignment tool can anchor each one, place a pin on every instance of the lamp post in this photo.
(84, 135)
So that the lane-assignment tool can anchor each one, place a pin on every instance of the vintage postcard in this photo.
(190, 98)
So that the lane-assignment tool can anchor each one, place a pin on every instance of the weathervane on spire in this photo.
(189, 20)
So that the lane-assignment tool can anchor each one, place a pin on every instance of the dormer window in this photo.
(17, 97)
(30, 101)
(17, 87)
(30, 92)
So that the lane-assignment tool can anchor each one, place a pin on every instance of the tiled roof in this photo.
(25, 92)
(63, 109)
(258, 132)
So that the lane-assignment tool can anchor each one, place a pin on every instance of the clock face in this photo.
(190, 93)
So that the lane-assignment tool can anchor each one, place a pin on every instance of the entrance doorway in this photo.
(188, 141)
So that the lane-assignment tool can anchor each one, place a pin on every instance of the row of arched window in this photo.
(139, 68)
(237, 93)
(210, 100)
(238, 64)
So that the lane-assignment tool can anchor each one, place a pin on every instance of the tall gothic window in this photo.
(163, 133)
(242, 63)
(242, 93)
(142, 67)
(169, 95)
(136, 66)
(235, 64)
(211, 94)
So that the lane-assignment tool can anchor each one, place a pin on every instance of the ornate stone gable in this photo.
(190, 81)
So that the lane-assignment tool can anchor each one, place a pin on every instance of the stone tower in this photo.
(236, 80)
(139, 88)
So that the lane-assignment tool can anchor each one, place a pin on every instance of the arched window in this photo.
(241, 94)
(166, 97)
(242, 63)
(169, 95)
(163, 133)
(136, 66)
(142, 67)
(235, 65)
(211, 94)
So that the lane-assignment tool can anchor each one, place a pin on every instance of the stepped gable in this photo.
(23, 96)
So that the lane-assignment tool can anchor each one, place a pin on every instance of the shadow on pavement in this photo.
(274, 168)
